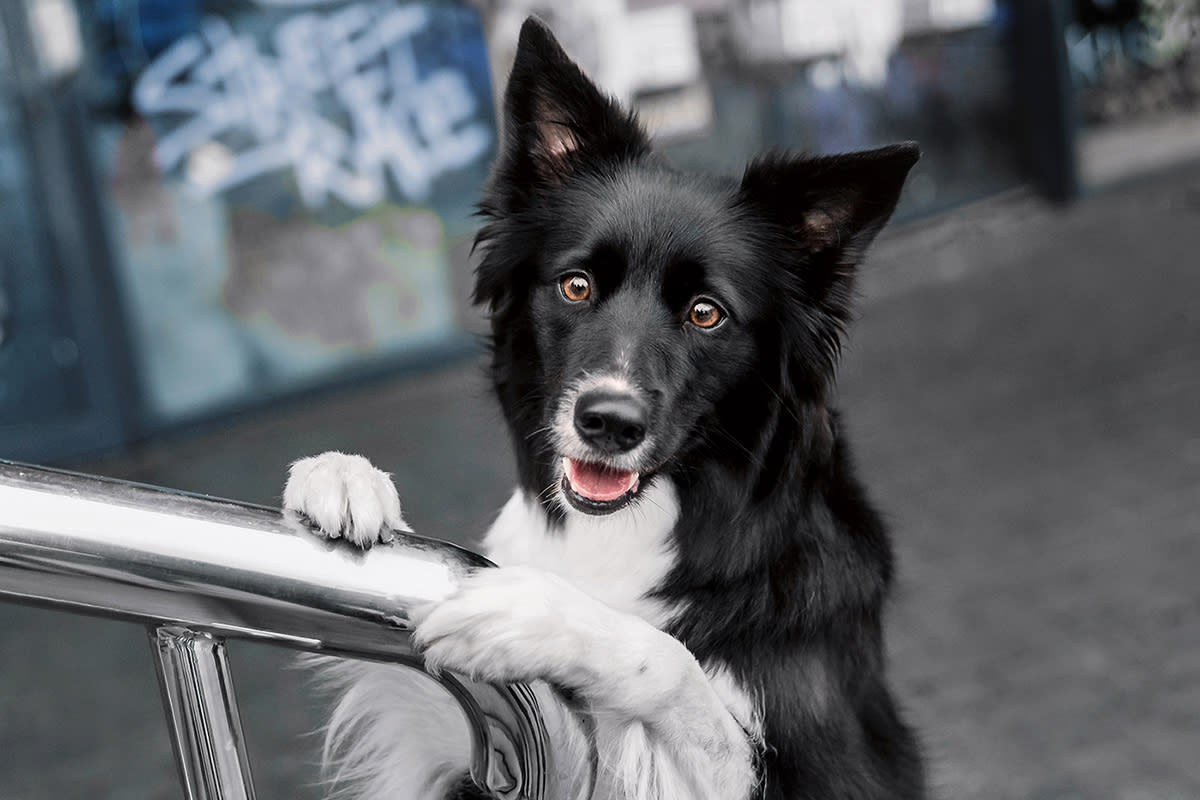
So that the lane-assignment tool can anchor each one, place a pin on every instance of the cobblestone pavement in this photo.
(1023, 388)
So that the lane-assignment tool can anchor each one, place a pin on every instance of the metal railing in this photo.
(196, 570)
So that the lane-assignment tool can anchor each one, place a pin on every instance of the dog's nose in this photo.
(611, 422)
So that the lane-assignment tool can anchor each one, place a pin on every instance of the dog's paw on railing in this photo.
(344, 496)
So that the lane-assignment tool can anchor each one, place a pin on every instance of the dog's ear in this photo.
(827, 210)
(831, 207)
(556, 124)
(555, 119)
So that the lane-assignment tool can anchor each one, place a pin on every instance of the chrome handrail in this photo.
(197, 570)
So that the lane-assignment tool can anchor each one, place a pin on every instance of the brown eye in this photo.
(576, 288)
(705, 314)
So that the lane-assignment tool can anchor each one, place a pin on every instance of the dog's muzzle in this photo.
(611, 423)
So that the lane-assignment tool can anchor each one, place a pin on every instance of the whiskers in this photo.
(548, 492)
(536, 432)
(644, 498)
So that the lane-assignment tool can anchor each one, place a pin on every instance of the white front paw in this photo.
(506, 625)
(342, 495)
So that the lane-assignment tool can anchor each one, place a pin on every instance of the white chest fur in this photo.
(616, 558)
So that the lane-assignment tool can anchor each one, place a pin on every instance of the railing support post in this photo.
(206, 731)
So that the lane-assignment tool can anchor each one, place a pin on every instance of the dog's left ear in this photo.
(825, 212)
(831, 207)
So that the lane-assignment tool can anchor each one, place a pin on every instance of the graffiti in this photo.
(343, 102)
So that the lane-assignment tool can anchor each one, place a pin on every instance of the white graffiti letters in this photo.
(342, 103)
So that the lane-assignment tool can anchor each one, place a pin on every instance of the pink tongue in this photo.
(597, 482)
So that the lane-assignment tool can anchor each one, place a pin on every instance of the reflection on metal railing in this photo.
(196, 570)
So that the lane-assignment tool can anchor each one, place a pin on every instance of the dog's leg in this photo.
(340, 495)
(664, 731)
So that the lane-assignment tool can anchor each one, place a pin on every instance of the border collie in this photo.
(688, 556)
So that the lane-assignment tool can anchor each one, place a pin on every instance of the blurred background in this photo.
(237, 232)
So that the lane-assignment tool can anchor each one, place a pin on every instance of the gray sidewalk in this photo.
(1023, 389)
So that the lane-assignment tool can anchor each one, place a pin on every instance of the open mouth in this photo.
(596, 488)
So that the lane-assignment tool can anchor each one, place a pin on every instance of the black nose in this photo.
(610, 421)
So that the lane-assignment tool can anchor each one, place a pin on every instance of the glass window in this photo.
(289, 185)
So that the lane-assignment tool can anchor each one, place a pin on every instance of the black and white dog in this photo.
(688, 555)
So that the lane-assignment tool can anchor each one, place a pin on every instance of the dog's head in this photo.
(644, 318)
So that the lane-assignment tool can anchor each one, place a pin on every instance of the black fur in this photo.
(783, 565)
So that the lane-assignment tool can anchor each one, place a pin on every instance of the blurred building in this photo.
(210, 205)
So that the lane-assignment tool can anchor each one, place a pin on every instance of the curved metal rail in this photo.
(197, 570)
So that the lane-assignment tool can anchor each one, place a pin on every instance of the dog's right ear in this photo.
(556, 125)
(556, 122)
